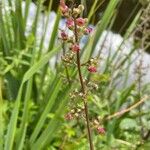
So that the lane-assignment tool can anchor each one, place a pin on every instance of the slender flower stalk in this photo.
(83, 90)
(78, 26)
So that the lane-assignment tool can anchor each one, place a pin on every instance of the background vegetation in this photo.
(34, 98)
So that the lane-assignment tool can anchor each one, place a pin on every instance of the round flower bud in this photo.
(63, 8)
(76, 114)
(86, 20)
(70, 23)
(101, 130)
(76, 12)
(80, 21)
(64, 36)
(88, 30)
(92, 69)
(75, 48)
(68, 116)
(81, 8)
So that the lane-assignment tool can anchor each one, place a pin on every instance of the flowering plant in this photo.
(79, 27)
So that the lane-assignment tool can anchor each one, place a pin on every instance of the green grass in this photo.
(34, 96)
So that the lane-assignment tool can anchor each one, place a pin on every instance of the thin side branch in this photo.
(128, 109)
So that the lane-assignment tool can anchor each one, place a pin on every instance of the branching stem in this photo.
(83, 89)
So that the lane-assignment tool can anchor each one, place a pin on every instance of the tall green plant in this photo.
(34, 92)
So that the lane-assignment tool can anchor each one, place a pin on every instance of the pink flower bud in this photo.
(92, 69)
(101, 130)
(75, 48)
(68, 116)
(80, 21)
(88, 30)
(70, 23)
(64, 36)
(63, 7)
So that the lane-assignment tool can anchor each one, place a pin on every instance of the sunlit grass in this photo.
(34, 97)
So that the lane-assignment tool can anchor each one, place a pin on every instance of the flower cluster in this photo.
(77, 113)
(75, 28)
(74, 113)
(78, 26)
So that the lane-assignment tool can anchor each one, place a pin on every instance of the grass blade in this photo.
(43, 61)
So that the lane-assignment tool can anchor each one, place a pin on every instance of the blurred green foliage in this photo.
(34, 98)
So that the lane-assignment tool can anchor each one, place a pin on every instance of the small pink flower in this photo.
(68, 116)
(92, 69)
(101, 130)
(63, 7)
(70, 23)
(80, 21)
(75, 48)
(88, 30)
(64, 36)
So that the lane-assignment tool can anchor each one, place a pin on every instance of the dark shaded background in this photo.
(127, 10)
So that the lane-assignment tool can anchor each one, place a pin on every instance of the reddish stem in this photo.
(83, 90)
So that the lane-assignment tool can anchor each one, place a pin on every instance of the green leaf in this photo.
(43, 61)
(13, 122)
(55, 123)
(101, 26)
(46, 110)
(128, 124)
